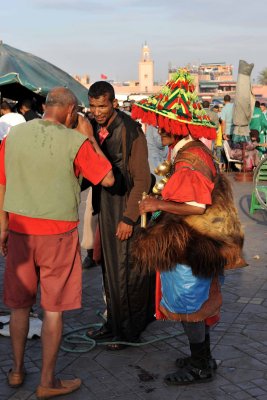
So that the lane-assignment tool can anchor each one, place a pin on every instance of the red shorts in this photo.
(53, 261)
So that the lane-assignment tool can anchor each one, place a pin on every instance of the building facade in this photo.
(215, 80)
(211, 80)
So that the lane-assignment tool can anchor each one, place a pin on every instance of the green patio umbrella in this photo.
(23, 75)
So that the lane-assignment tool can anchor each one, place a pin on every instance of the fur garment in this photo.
(208, 243)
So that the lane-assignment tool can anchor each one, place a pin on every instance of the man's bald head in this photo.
(61, 106)
(61, 96)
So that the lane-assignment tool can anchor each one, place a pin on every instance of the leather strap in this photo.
(196, 163)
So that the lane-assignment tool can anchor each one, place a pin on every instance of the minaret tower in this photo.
(146, 71)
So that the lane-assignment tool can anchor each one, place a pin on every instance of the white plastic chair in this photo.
(227, 151)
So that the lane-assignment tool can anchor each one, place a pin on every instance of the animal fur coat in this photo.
(208, 243)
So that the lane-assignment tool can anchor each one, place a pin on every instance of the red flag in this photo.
(103, 76)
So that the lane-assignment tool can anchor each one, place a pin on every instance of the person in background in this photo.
(258, 120)
(227, 118)
(126, 107)
(258, 126)
(250, 155)
(89, 232)
(211, 113)
(214, 119)
(157, 153)
(218, 143)
(216, 109)
(39, 200)
(263, 133)
(8, 119)
(26, 109)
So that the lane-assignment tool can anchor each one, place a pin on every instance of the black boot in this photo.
(88, 262)
(212, 361)
(196, 371)
(199, 355)
(183, 362)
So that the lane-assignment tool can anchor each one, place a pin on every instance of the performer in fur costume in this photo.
(194, 233)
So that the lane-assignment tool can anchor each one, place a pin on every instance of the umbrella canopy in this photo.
(23, 75)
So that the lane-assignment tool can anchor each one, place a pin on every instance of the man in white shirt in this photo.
(227, 118)
(8, 119)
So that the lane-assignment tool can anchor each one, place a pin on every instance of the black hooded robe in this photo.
(129, 291)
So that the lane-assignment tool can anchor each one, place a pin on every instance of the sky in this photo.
(106, 36)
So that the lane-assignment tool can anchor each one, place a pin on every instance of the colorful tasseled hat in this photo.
(176, 109)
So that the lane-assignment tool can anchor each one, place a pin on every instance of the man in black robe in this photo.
(129, 291)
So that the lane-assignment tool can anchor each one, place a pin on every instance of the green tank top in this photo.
(40, 179)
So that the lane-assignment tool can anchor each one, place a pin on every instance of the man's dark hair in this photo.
(206, 104)
(254, 135)
(101, 88)
(227, 98)
(27, 103)
(5, 106)
(257, 104)
(216, 107)
(263, 104)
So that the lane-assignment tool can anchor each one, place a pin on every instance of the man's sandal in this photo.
(189, 375)
(101, 334)
(184, 362)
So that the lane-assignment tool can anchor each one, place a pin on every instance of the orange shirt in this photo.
(87, 162)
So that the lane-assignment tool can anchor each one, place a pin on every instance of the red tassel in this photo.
(172, 126)
(146, 118)
(167, 125)
(151, 118)
(134, 112)
(154, 119)
(161, 121)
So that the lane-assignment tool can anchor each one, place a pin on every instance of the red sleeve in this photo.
(2, 163)
(187, 185)
(190, 185)
(91, 165)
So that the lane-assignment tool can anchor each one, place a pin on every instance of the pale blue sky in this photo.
(106, 36)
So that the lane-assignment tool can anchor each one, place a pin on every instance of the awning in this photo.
(23, 75)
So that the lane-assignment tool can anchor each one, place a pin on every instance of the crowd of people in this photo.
(173, 268)
(14, 114)
(249, 152)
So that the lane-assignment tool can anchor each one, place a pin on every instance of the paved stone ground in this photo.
(239, 341)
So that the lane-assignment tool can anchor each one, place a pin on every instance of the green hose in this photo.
(89, 344)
